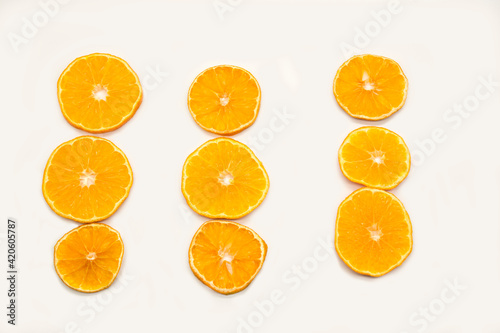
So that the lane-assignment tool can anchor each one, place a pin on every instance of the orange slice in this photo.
(374, 157)
(224, 99)
(373, 233)
(224, 179)
(86, 179)
(370, 87)
(98, 93)
(89, 257)
(226, 256)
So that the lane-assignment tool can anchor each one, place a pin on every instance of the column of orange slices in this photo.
(373, 232)
(86, 179)
(223, 179)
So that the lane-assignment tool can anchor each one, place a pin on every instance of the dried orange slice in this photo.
(373, 233)
(98, 92)
(224, 179)
(226, 256)
(370, 87)
(86, 179)
(374, 157)
(89, 257)
(224, 99)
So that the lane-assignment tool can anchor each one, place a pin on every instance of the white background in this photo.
(294, 50)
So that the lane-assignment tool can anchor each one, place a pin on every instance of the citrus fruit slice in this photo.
(224, 99)
(98, 92)
(370, 87)
(373, 233)
(226, 256)
(86, 179)
(374, 157)
(89, 257)
(224, 179)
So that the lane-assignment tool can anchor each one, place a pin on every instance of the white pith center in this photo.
(100, 92)
(375, 232)
(226, 259)
(224, 100)
(377, 157)
(87, 178)
(91, 256)
(226, 178)
(367, 84)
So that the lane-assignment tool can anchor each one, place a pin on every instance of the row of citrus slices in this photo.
(223, 179)
(373, 232)
(86, 179)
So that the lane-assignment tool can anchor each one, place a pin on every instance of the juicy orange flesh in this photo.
(370, 86)
(98, 76)
(373, 232)
(375, 157)
(224, 179)
(224, 98)
(226, 255)
(89, 257)
(80, 163)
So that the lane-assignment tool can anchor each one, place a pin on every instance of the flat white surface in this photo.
(294, 50)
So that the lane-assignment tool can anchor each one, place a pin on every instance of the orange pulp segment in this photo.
(374, 157)
(224, 179)
(226, 256)
(89, 257)
(370, 87)
(373, 233)
(98, 92)
(86, 179)
(224, 99)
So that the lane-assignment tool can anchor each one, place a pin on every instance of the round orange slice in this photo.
(370, 87)
(89, 257)
(374, 157)
(86, 179)
(224, 99)
(98, 93)
(373, 233)
(226, 256)
(224, 179)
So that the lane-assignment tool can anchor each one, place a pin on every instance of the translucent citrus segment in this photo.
(370, 87)
(224, 99)
(89, 257)
(86, 179)
(374, 157)
(373, 232)
(224, 179)
(99, 92)
(226, 256)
